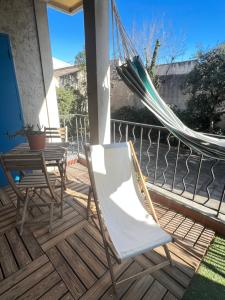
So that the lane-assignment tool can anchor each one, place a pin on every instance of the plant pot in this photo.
(36, 141)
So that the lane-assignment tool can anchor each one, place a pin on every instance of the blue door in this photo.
(11, 118)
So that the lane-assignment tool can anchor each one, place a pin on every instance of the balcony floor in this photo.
(70, 263)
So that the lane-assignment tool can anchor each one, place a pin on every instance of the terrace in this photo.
(70, 262)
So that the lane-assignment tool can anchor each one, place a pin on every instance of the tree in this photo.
(80, 59)
(206, 86)
(150, 66)
(81, 92)
(146, 36)
(65, 97)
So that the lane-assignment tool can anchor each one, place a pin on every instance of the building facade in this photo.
(171, 79)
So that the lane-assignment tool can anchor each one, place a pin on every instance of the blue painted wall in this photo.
(11, 118)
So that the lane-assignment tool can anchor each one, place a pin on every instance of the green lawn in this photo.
(209, 281)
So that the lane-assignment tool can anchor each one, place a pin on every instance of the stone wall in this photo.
(171, 77)
(17, 19)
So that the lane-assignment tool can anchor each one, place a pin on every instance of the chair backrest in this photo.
(117, 192)
(57, 133)
(24, 162)
(113, 171)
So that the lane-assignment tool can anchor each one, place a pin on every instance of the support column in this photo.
(96, 21)
(50, 105)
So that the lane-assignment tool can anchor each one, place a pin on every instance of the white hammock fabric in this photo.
(137, 79)
(134, 74)
(132, 230)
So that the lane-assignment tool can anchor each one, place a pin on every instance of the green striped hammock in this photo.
(134, 74)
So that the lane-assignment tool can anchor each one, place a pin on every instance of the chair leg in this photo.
(65, 176)
(61, 198)
(62, 174)
(110, 269)
(168, 255)
(51, 216)
(17, 210)
(24, 213)
(89, 202)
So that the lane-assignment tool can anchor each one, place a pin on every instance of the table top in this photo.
(52, 151)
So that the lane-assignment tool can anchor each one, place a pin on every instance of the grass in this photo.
(209, 282)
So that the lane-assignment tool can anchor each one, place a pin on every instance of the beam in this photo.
(96, 21)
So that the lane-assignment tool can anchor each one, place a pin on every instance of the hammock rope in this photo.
(134, 74)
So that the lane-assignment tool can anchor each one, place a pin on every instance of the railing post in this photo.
(157, 156)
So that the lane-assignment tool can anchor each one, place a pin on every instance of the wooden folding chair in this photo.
(34, 177)
(127, 220)
(57, 133)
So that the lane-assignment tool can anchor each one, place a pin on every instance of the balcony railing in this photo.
(165, 161)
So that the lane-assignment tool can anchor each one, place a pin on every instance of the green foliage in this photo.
(27, 130)
(65, 97)
(129, 113)
(209, 282)
(80, 59)
(206, 86)
(71, 100)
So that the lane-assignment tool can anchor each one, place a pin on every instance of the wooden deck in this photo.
(70, 262)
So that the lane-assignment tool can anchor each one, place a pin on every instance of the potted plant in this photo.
(35, 137)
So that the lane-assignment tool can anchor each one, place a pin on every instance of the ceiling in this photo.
(67, 6)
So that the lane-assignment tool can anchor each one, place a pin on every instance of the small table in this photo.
(54, 154)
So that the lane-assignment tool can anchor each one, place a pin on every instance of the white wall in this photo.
(18, 20)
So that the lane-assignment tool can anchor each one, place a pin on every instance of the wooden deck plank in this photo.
(139, 288)
(31, 244)
(67, 296)
(179, 263)
(76, 263)
(7, 218)
(162, 277)
(91, 260)
(78, 223)
(184, 255)
(100, 287)
(55, 292)
(184, 228)
(71, 280)
(41, 287)
(175, 222)
(122, 288)
(21, 287)
(92, 244)
(1, 274)
(170, 296)
(58, 222)
(8, 263)
(155, 292)
(73, 219)
(174, 272)
(18, 276)
(167, 218)
(19, 250)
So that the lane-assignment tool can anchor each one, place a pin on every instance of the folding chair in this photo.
(34, 177)
(58, 134)
(127, 218)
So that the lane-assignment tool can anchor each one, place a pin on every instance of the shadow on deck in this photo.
(70, 263)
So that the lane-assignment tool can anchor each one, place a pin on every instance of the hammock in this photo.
(134, 74)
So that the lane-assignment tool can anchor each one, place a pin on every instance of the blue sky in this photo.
(194, 23)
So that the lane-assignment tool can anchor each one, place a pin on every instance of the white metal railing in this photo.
(165, 160)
